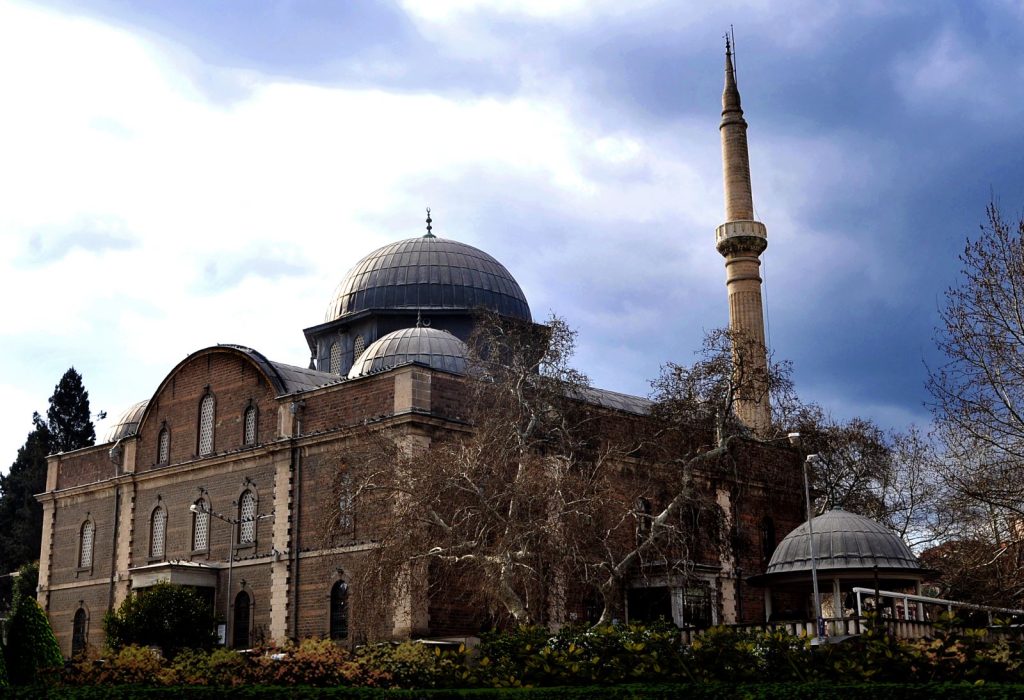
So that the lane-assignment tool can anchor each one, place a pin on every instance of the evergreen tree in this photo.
(20, 513)
(32, 649)
(67, 427)
(68, 417)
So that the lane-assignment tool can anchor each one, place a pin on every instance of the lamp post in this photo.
(819, 620)
(201, 509)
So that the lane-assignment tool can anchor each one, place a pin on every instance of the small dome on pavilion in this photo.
(842, 540)
(430, 346)
(127, 424)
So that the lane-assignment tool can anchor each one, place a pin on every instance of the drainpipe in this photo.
(113, 548)
(115, 456)
(296, 410)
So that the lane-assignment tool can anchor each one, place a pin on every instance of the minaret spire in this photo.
(741, 240)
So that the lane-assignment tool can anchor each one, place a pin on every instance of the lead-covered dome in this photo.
(428, 273)
(430, 346)
(842, 540)
(127, 424)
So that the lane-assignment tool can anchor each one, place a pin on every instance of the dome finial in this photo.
(429, 234)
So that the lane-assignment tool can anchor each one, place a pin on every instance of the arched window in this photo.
(201, 526)
(157, 532)
(79, 632)
(247, 517)
(339, 610)
(335, 358)
(243, 618)
(249, 421)
(346, 505)
(85, 541)
(163, 446)
(358, 345)
(206, 425)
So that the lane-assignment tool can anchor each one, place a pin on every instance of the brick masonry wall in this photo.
(222, 483)
(85, 466)
(331, 434)
(64, 604)
(348, 404)
(71, 514)
(233, 380)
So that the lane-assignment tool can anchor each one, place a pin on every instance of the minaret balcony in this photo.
(743, 236)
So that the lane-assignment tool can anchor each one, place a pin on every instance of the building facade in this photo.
(223, 478)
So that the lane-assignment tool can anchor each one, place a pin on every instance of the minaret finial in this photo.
(429, 221)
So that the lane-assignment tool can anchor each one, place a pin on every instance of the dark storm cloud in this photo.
(878, 130)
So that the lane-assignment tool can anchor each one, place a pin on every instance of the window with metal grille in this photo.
(163, 449)
(206, 425)
(357, 348)
(201, 527)
(249, 438)
(339, 610)
(247, 518)
(335, 358)
(157, 532)
(346, 505)
(85, 544)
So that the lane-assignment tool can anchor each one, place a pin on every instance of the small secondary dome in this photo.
(842, 540)
(127, 424)
(430, 346)
(428, 273)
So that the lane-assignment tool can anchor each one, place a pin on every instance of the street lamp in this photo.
(201, 509)
(819, 620)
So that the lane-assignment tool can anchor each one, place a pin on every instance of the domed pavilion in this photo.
(850, 550)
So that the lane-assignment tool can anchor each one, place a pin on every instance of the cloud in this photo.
(950, 73)
(223, 273)
(94, 235)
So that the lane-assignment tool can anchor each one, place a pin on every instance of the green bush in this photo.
(415, 665)
(32, 653)
(166, 616)
(313, 662)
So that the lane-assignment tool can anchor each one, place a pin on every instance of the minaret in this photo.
(741, 240)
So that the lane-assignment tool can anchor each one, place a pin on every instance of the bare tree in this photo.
(978, 392)
(546, 490)
(889, 476)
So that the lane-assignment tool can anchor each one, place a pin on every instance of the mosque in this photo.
(217, 480)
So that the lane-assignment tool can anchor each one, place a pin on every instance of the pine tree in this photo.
(68, 417)
(67, 427)
(20, 513)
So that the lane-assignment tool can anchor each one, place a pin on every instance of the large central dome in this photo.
(428, 273)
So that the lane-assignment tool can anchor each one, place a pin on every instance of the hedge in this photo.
(691, 691)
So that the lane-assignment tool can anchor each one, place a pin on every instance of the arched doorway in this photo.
(243, 617)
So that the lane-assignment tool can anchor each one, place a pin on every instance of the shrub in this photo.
(32, 653)
(415, 665)
(314, 662)
(192, 667)
(166, 616)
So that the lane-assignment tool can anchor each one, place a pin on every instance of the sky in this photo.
(179, 174)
